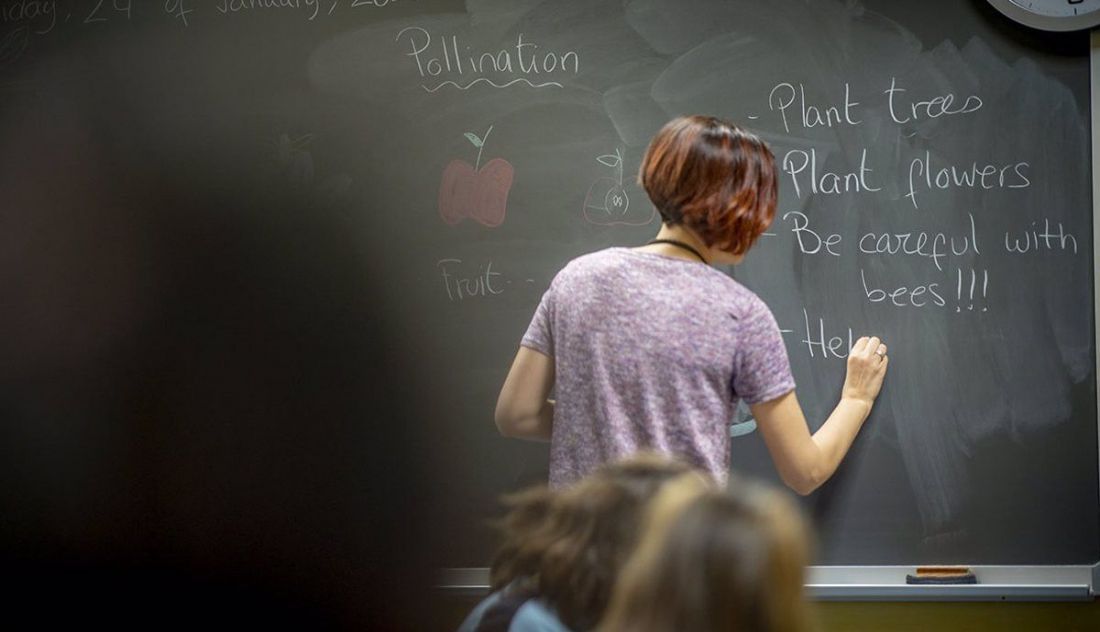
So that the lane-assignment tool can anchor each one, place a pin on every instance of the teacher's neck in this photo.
(684, 235)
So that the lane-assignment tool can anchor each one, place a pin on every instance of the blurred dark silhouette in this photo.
(208, 416)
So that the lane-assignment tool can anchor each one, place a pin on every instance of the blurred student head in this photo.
(715, 560)
(567, 546)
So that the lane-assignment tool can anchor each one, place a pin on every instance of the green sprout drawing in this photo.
(479, 143)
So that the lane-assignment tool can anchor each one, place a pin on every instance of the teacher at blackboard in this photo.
(651, 348)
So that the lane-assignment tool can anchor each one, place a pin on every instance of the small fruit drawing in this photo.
(294, 159)
(607, 203)
(13, 43)
(479, 193)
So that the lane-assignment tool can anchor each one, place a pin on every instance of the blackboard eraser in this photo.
(939, 575)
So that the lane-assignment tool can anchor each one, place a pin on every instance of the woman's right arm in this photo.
(805, 461)
(523, 410)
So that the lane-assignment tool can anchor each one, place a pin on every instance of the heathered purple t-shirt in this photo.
(652, 353)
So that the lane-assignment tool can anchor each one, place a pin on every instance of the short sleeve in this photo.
(762, 371)
(539, 334)
(473, 620)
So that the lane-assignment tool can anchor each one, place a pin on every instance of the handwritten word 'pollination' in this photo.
(447, 56)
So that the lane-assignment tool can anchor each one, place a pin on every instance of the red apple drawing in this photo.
(479, 193)
(607, 204)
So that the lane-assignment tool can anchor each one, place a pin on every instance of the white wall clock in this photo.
(1051, 15)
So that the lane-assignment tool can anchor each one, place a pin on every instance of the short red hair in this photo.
(713, 177)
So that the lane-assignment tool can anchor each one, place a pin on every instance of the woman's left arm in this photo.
(523, 410)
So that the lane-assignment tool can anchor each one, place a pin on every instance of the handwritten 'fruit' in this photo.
(479, 193)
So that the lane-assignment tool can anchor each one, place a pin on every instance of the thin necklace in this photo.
(680, 244)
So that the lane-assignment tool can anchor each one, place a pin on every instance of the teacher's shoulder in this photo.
(591, 266)
(737, 299)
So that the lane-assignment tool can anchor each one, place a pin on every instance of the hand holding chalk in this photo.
(867, 364)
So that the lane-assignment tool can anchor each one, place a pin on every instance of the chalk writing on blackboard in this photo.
(810, 242)
(784, 95)
(971, 285)
(178, 9)
(102, 11)
(795, 108)
(365, 3)
(479, 193)
(962, 295)
(905, 296)
(40, 16)
(1036, 239)
(466, 67)
(462, 285)
(237, 6)
(935, 246)
(941, 105)
(925, 174)
(826, 345)
(820, 180)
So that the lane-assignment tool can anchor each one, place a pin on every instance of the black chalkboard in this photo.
(935, 191)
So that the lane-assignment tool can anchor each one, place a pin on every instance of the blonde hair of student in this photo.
(710, 561)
